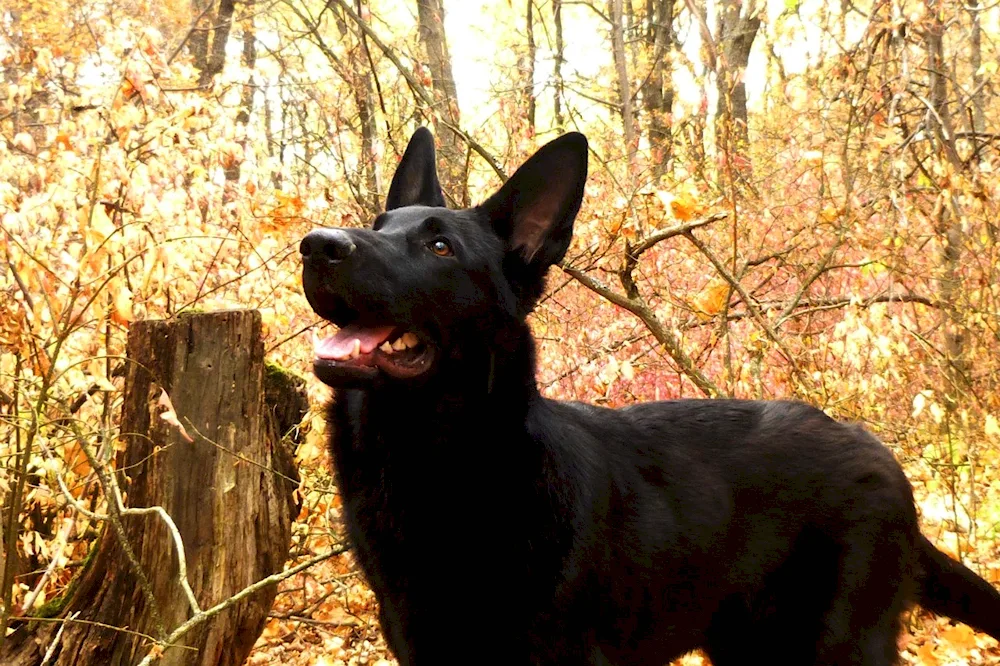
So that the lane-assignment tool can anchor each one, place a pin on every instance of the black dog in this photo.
(496, 526)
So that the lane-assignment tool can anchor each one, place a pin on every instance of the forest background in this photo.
(787, 199)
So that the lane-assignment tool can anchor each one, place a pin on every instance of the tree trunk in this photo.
(557, 96)
(430, 15)
(529, 24)
(216, 58)
(229, 492)
(940, 123)
(364, 94)
(201, 18)
(624, 90)
(359, 73)
(658, 90)
(975, 63)
(249, 62)
(736, 35)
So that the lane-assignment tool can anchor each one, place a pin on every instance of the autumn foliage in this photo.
(844, 253)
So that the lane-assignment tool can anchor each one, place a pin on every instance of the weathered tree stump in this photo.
(229, 491)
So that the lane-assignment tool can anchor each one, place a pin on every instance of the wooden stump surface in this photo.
(229, 491)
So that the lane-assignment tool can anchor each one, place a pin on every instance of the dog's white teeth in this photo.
(409, 339)
(399, 345)
(356, 351)
(386, 347)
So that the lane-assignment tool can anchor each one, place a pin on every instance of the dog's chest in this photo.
(405, 470)
(430, 490)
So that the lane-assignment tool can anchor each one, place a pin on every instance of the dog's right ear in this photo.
(534, 210)
(415, 182)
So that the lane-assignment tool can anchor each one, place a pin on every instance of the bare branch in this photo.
(112, 492)
(637, 307)
(422, 93)
(50, 652)
(205, 615)
(178, 546)
(751, 306)
(678, 230)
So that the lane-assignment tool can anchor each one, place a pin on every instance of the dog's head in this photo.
(423, 277)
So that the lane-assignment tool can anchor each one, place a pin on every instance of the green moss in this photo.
(54, 607)
(274, 371)
(285, 397)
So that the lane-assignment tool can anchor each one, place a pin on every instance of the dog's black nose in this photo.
(326, 246)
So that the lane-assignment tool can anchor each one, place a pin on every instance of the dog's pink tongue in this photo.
(341, 345)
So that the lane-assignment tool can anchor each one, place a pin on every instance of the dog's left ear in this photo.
(534, 210)
(415, 182)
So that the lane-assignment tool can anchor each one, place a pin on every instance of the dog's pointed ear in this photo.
(534, 210)
(415, 182)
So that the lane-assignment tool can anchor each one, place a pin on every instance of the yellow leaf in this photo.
(102, 383)
(100, 225)
(829, 213)
(992, 427)
(988, 68)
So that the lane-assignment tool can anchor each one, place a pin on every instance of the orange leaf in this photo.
(712, 299)
(926, 656)
(121, 314)
(683, 207)
(961, 638)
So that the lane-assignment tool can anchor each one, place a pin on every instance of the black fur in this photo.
(496, 526)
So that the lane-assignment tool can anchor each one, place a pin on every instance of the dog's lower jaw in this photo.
(365, 369)
(340, 375)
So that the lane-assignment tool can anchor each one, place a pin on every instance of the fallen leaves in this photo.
(24, 141)
(951, 644)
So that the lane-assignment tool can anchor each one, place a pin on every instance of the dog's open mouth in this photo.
(360, 352)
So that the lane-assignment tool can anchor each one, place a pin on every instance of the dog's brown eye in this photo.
(440, 247)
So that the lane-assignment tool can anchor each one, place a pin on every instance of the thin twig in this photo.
(205, 615)
(639, 308)
(751, 306)
(55, 551)
(50, 652)
(419, 89)
(178, 546)
(194, 28)
(91, 623)
(678, 230)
